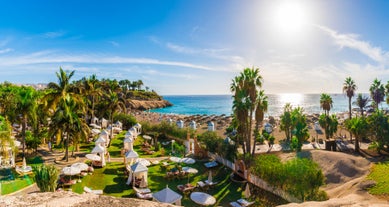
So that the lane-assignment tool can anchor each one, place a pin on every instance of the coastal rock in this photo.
(147, 104)
(70, 199)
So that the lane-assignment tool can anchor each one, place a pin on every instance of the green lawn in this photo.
(379, 174)
(112, 181)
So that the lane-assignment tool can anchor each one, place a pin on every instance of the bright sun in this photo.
(290, 17)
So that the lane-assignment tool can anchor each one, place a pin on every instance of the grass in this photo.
(13, 181)
(112, 181)
(379, 174)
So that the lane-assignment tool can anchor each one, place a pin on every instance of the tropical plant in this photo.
(286, 121)
(113, 103)
(359, 127)
(379, 128)
(26, 107)
(245, 88)
(329, 124)
(349, 89)
(362, 102)
(300, 130)
(261, 109)
(46, 177)
(377, 92)
(326, 103)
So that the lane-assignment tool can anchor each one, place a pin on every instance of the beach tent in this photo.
(128, 144)
(192, 125)
(138, 128)
(180, 124)
(118, 124)
(104, 123)
(131, 156)
(134, 132)
(101, 141)
(167, 195)
(94, 120)
(99, 150)
(104, 134)
(211, 126)
(137, 171)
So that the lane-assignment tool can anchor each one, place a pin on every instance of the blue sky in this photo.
(198, 46)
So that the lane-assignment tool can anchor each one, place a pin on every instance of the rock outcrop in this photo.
(145, 105)
(70, 199)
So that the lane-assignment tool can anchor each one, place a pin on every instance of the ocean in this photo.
(222, 104)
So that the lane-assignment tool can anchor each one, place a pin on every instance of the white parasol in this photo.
(190, 170)
(93, 157)
(147, 137)
(202, 198)
(71, 171)
(175, 159)
(80, 165)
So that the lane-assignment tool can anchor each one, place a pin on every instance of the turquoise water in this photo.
(222, 104)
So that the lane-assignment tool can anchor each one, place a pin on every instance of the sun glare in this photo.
(295, 99)
(290, 17)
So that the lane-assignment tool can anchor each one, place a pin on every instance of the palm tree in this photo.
(286, 121)
(362, 102)
(349, 88)
(245, 88)
(326, 103)
(26, 106)
(113, 104)
(92, 91)
(261, 109)
(377, 92)
(300, 126)
(358, 126)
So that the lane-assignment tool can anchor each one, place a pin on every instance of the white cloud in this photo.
(351, 41)
(6, 50)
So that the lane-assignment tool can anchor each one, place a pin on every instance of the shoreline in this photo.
(221, 122)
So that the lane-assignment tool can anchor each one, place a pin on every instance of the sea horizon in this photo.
(222, 103)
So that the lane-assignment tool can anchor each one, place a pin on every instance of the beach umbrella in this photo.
(247, 192)
(175, 159)
(93, 157)
(131, 155)
(80, 165)
(98, 149)
(202, 198)
(71, 171)
(147, 137)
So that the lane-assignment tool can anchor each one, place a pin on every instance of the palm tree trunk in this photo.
(356, 145)
(24, 124)
(349, 109)
(255, 138)
(67, 147)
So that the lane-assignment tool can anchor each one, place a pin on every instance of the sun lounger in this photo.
(235, 204)
(211, 164)
(97, 192)
(244, 202)
(141, 190)
(144, 196)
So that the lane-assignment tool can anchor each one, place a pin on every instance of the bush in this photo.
(126, 119)
(46, 177)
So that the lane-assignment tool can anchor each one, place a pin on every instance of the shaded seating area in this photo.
(167, 195)
(143, 193)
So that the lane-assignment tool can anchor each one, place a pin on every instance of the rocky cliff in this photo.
(146, 104)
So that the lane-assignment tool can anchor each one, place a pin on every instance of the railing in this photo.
(255, 180)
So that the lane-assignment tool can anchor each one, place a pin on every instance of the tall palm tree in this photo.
(377, 92)
(245, 88)
(113, 104)
(92, 91)
(362, 102)
(58, 91)
(326, 103)
(286, 121)
(26, 107)
(261, 109)
(349, 88)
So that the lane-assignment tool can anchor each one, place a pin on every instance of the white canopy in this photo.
(202, 198)
(131, 154)
(138, 167)
(129, 134)
(93, 157)
(100, 140)
(128, 140)
(104, 134)
(188, 160)
(98, 149)
(167, 195)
